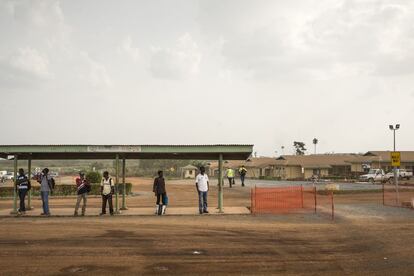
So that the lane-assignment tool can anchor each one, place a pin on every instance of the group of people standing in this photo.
(160, 191)
(23, 185)
(230, 174)
(83, 187)
(47, 184)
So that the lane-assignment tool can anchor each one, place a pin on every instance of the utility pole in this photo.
(393, 129)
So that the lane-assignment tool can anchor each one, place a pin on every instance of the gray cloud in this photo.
(179, 61)
(230, 71)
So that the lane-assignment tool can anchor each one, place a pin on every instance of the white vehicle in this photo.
(403, 174)
(8, 176)
(374, 175)
(2, 173)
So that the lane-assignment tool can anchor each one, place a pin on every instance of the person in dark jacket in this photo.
(83, 187)
(22, 186)
(161, 193)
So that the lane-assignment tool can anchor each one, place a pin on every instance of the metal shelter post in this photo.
(116, 184)
(124, 207)
(29, 174)
(14, 211)
(220, 182)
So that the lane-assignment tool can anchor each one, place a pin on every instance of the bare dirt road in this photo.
(199, 245)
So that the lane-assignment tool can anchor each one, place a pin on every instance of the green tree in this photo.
(93, 177)
(299, 147)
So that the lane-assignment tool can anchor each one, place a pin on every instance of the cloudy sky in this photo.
(203, 72)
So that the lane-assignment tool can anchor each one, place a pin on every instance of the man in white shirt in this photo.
(202, 189)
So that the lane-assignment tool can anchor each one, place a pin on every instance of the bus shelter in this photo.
(122, 153)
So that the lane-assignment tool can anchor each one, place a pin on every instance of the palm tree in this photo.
(315, 141)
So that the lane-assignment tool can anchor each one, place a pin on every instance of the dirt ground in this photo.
(366, 239)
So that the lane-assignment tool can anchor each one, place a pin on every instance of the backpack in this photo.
(88, 188)
(52, 184)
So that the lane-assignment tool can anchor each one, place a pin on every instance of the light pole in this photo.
(393, 129)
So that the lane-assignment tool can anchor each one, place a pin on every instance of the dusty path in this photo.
(194, 245)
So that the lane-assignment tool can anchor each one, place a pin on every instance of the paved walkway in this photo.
(173, 211)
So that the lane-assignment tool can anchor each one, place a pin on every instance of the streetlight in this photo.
(393, 129)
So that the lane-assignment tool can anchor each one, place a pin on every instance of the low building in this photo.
(189, 171)
(298, 167)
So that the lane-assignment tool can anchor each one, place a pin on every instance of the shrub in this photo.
(93, 177)
(65, 190)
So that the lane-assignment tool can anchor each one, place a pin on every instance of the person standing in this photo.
(161, 193)
(242, 172)
(83, 187)
(22, 186)
(46, 187)
(107, 190)
(202, 185)
(230, 176)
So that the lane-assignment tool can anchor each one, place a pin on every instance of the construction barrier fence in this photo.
(275, 200)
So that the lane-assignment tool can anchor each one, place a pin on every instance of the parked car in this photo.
(403, 174)
(8, 176)
(374, 175)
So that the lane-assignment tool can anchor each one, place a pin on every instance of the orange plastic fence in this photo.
(282, 199)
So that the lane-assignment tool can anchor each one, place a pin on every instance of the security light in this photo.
(397, 126)
(391, 127)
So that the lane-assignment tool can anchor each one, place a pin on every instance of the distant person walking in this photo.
(242, 173)
(202, 189)
(47, 184)
(22, 186)
(83, 188)
(161, 193)
(230, 176)
(107, 190)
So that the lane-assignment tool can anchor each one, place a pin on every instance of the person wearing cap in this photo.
(82, 187)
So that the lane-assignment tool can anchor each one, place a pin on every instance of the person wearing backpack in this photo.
(83, 187)
(47, 184)
(161, 194)
(107, 190)
(22, 187)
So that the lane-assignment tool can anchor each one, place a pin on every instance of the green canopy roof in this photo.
(199, 152)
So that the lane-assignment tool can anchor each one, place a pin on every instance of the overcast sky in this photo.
(202, 72)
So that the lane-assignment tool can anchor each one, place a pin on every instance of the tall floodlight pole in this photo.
(315, 141)
(394, 129)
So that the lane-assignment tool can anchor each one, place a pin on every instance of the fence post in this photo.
(255, 198)
(251, 200)
(301, 190)
(333, 208)
(314, 193)
(383, 194)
